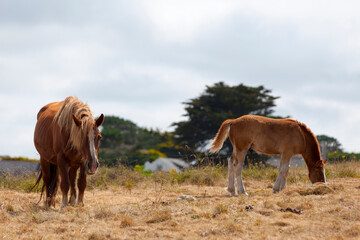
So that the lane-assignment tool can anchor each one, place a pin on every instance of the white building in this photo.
(166, 164)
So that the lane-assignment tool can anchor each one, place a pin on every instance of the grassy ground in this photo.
(125, 204)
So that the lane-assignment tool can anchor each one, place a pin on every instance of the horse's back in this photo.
(44, 129)
(49, 110)
(267, 135)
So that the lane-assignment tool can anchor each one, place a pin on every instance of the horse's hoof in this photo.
(47, 206)
(72, 201)
(63, 205)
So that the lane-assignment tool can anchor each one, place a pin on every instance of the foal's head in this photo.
(90, 146)
(317, 172)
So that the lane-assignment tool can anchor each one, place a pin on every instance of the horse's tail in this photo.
(53, 185)
(51, 188)
(37, 184)
(221, 136)
(37, 180)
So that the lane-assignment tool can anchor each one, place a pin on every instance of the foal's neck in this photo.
(311, 152)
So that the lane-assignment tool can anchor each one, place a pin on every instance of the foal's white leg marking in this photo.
(231, 183)
(238, 172)
(280, 182)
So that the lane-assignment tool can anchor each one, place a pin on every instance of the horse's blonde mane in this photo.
(64, 118)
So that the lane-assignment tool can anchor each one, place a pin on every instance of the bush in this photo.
(23, 182)
(343, 156)
(207, 176)
(259, 171)
(115, 176)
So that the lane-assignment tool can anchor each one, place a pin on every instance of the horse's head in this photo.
(91, 146)
(317, 172)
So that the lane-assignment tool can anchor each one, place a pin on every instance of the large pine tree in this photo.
(218, 103)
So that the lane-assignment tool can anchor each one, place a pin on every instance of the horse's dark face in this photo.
(317, 172)
(91, 147)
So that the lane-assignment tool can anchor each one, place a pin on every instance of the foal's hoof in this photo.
(276, 190)
(245, 194)
(231, 191)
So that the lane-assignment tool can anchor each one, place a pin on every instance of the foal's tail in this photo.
(221, 136)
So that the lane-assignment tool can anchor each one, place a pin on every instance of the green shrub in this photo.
(347, 173)
(207, 176)
(259, 171)
(120, 175)
(23, 182)
(140, 169)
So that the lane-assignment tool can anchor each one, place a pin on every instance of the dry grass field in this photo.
(124, 204)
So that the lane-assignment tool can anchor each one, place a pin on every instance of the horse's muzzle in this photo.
(92, 167)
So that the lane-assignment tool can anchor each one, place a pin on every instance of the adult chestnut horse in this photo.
(286, 137)
(67, 138)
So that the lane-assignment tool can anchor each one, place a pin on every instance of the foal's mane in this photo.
(313, 151)
(64, 118)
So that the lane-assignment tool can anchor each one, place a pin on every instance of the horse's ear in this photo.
(100, 120)
(324, 161)
(77, 121)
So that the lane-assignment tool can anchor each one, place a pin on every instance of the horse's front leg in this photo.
(231, 179)
(65, 180)
(280, 182)
(72, 176)
(82, 184)
(238, 172)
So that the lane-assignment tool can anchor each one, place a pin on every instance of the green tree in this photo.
(218, 103)
(328, 144)
(331, 149)
(117, 131)
(126, 143)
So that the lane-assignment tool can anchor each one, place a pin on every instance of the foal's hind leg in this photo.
(240, 156)
(72, 176)
(280, 182)
(231, 183)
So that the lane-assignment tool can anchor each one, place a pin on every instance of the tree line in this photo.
(128, 144)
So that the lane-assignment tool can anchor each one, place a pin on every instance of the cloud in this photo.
(180, 21)
(141, 60)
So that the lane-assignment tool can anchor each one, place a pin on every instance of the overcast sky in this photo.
(140, 60)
